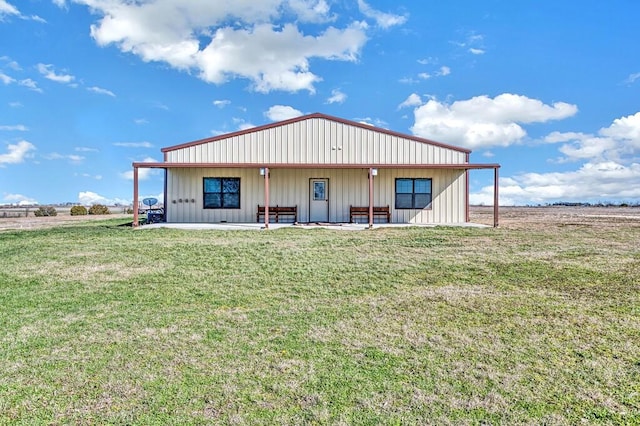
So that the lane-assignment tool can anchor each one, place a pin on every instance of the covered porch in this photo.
(301, 185)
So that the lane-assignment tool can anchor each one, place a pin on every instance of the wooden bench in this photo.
(382, 211)
(276, 212)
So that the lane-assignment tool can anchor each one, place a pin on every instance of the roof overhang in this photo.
(458, 166)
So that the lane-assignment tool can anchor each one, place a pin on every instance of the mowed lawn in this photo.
(102, 324)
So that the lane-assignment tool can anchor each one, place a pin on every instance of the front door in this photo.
(319, 200)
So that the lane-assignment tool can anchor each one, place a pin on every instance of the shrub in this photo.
(99, 209)
(45, 211)
(78, 211)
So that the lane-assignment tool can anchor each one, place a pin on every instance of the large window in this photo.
(413, 193)
(221, 193)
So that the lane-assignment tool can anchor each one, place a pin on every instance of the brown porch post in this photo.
(135, 196)
(266, 197)
(467, 211)
(370, 197)
(495, 198)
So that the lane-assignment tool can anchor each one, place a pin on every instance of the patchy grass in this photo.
(102, 324)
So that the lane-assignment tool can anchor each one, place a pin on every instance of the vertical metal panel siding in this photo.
(313, 141)
(291, 187)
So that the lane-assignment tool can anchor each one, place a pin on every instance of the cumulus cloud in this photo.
(143, 173)
(219, 41)
(592, 182)
(484, 122)
(337, 97)
(47, 71)
(30, 84)
(6, 79)
(19, 199)
(89, 198)
(17, 153)
(413, 100)
(282, 112)
(8, 9)
(383, 20)
(609, 169)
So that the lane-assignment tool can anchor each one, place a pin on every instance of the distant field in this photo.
(535, 322)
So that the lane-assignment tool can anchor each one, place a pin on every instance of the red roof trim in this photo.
(459, 166)
(311, 116)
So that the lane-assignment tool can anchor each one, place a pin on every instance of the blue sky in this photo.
(548, 89)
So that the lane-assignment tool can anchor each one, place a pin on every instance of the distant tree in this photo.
(99, 209)
(45, 211)
(78, 211)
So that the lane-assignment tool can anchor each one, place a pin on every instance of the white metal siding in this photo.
(317, 141)
(289, 187)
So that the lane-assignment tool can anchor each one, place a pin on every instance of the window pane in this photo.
(231, 201)
(404, 186)
(212, 201)
(422, 200)
(403, 201)
(318, 191)
(423, 186)
(212, 185)
(231, 185)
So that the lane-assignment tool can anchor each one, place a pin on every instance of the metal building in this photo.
(316, 169)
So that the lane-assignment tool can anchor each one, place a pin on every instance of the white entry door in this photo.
(319, 200)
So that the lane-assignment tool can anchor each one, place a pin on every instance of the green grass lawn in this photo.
(103, 324)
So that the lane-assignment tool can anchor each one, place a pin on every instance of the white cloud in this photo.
(413, 100)
(89, 198)
(143, 173)
(16, 153)
(221, 103)
(632, 78)
(101, 91)
(17, 127)
(6, 79)
(30, 84)
(482, 121)
(221, 41)
(7, 9)
(141, 121)
(73, 158)
(85, 149)
(19, 199)
(609, 169)
(384, 20)
(282, 112)
(443, 71)
(47, 71)
(144, 144)
(337, 97)
(592, 182)
(614, 143)
(424, 76)
(476, 51)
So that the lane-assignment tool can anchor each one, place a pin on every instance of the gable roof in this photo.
(316, 115)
